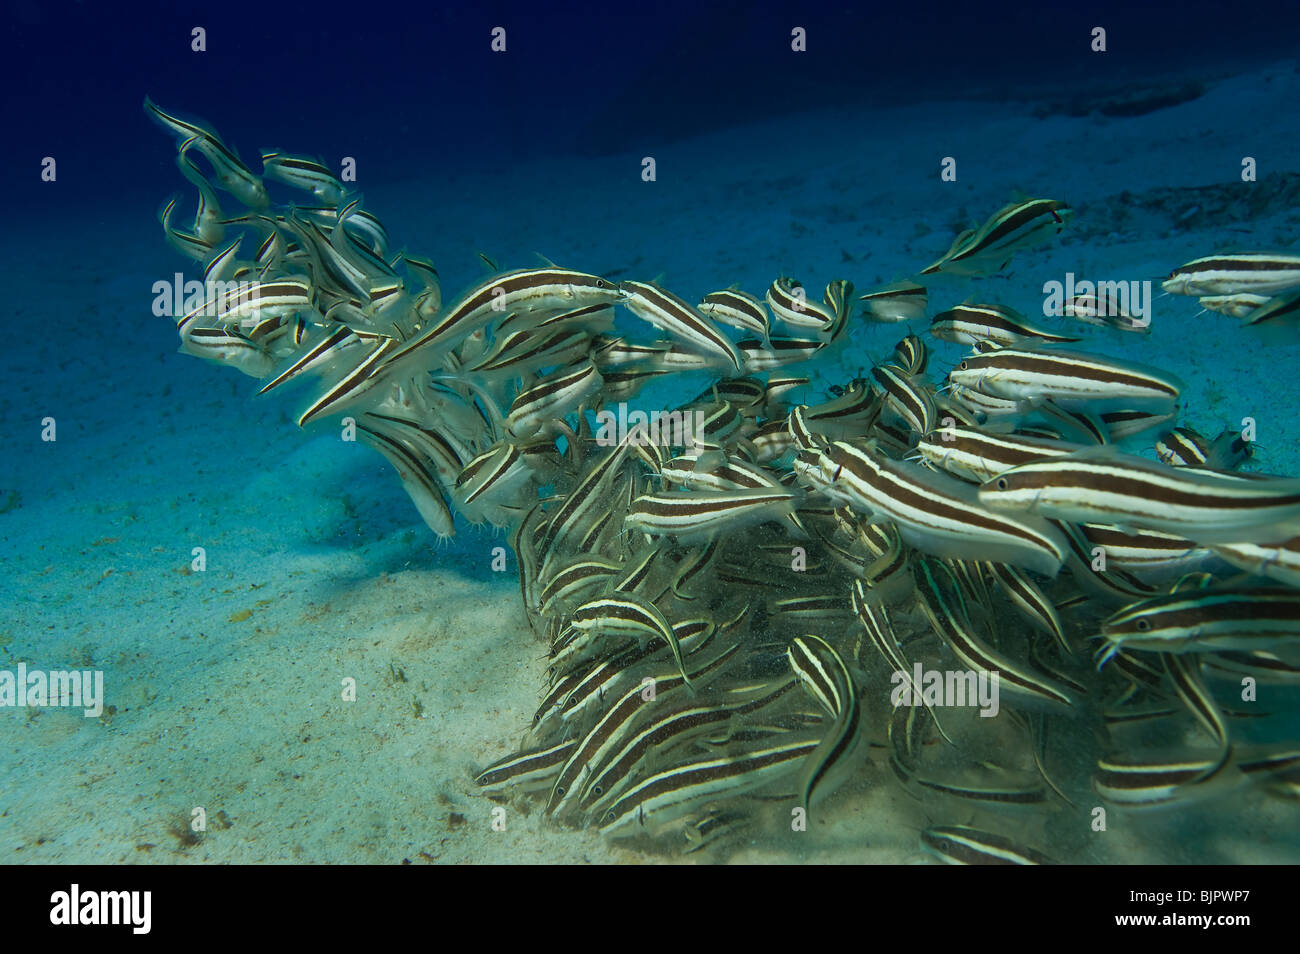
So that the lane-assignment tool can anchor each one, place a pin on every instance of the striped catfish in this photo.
(776, 352)
(822, 672)
(1122, 424)
(1191, 690)
(686, 357)
(946, 611)
(911, 355)
(1068, 378)
(807, 436)
(899, 301)
(627, 614)
(535, 409)
(1259, 273)
(228, 346)
(209, 221)
(738, 309)
(1032, 602)
(418, 477)
(599, 741)
(694, 472)
(979, 406)
(908, 398)
(1142, 781)
(1277, 766)
(1277, 561)
(666, 795)
(1029, 794)
(625, 384)
(1110, 583)
(499, 471)
(978, 455)
(581, 504)
(609, 352)
(303, 173)
(534, 291)
(744, 393)
(1145, 551)
(888, 569)
(523, 351)
(1230, 450)
(666, 311)
(574, 583)
(235, 177)
(355, 381)
(190, 244)
(666, 727)
(605, 678)
(699, 517)
(527, 771)
(1282, 311)
(848, 415)
(777, 392)
(253, 301)
(1106, 311)
(791, 306)
(1000, 324)
(936, 513)
(961, 845)
(1260, 666)
(712, 827)
(874, 617)
(1183, 446)
(326, 348)
(1105, 487)
(606, 734)
(1200, 621)
(1234, 306)
(989, 248)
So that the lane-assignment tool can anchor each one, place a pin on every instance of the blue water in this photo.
(225, 687)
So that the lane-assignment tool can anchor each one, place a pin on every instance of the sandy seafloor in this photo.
(226, 684)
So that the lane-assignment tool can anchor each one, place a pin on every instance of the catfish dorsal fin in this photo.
(1101, 453)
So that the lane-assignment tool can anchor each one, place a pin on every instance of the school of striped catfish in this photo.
(740, 611)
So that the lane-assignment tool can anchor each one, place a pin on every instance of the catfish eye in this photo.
(965, 365)
(601, 283)
(1002, 483)
(1143, 625)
